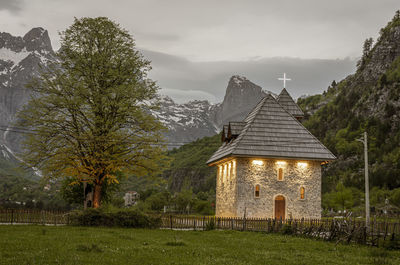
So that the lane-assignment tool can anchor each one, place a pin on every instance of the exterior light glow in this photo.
(302, 164)
(258, 162)
(281, 163)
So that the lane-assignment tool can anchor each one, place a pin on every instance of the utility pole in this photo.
(365, 142)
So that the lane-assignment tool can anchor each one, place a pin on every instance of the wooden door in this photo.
(280, 207)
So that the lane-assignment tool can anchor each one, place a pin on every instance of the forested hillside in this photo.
(188, 165)
(368, 100)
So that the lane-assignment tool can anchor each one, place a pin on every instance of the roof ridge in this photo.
(285, 95)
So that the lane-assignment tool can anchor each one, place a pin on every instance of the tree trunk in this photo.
(97, 195)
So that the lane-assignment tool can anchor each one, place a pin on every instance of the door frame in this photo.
(273, 203)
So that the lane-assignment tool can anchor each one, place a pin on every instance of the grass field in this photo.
(22, 244)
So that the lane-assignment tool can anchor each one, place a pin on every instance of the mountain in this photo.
(240, 98)
(196, 119)
(368, 100)
(21, 58)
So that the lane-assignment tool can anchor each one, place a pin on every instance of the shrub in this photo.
(203, 207)
(287, 229)
(116, 218)
(210, 225)
(393, 243)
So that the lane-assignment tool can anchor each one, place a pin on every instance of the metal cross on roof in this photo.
(284, 79)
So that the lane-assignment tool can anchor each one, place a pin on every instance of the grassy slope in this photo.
(81, 245)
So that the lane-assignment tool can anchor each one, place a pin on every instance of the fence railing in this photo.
(24, 216)
(344, 230)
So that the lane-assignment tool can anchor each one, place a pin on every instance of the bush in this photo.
(210, 225)
(203, 207)
(393, 243)
(117, 218)
(286, 229)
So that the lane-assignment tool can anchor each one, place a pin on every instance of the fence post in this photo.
(12, 216)
(194, 223)
(170, 220)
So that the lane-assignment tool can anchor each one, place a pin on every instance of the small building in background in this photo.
(131, 198)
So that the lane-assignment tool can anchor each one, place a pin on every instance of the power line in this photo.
(275, 143)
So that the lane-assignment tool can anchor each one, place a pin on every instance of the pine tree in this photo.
(90, 118)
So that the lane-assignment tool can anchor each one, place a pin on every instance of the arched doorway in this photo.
(280, 207)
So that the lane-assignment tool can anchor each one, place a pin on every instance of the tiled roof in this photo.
(271, 131)
(236, 127)
(289, 105)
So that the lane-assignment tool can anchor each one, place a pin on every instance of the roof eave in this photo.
(213, 162)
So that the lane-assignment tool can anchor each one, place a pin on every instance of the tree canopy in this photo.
(90, 113)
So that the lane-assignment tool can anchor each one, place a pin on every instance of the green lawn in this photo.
(22, 244)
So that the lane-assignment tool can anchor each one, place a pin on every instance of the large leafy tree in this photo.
(90, 113)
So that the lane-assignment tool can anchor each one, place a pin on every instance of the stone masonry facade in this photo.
(238, 177)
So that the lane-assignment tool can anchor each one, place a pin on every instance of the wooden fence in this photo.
(339, 230)
(23, 216)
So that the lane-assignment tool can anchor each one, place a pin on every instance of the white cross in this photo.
(284, 79)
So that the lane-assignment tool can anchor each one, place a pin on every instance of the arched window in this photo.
(302, 190)
(225, 172)
(229, 170)
(280, 173)
(257, 191)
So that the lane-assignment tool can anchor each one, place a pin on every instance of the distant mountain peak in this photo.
(238, 79)
(37, 39)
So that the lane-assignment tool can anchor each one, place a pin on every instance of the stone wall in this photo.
(236, 195)
(226, 189)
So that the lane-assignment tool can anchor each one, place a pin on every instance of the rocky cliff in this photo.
(240, 98)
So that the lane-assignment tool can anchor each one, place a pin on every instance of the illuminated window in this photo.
(302, 164)
(280, 173)
(225, 172)
(302, 193)
(229, 170)
(258, 162)
(257, 191)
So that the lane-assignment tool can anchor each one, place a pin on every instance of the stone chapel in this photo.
(269, 164)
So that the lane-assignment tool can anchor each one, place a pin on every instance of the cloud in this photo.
(210, 30)
(13, 6)
(184, 79)
(182, 96)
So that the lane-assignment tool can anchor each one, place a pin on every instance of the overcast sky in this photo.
(196, 45)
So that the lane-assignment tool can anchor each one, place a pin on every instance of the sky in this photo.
(195, 46)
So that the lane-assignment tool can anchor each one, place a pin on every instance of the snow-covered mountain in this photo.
(22, 57)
